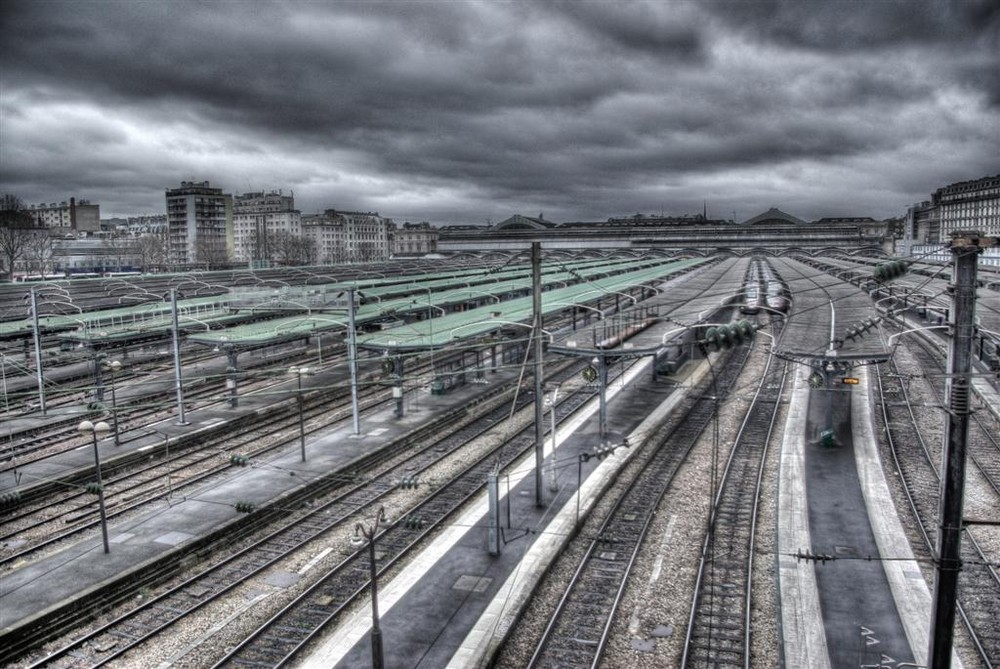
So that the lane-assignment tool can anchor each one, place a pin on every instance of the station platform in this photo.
(467, 598)
(30, 591)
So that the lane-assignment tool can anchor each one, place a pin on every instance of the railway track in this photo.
(219, 579)
(285, 634)
(577, 632)
(112, 640)
(719, 632)
(143, 479)
(917, 465)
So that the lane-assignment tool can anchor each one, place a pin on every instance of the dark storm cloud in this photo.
(468, 110)
(848, 25)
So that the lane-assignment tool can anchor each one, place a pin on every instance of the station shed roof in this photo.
(440, 292)
(681, 305)
(473, 323)
(119, 319)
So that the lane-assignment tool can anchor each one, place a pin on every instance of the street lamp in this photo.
(94, 429)
(113, 367)
(298, 372)
(369, 533)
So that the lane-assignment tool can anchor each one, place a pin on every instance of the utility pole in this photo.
(39, 373)
(178, 379)
(536, 329)
(965, 248)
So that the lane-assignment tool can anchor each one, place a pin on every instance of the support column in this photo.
(536, 330)
(965, 249)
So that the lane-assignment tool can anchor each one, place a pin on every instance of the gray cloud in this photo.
(462, 111)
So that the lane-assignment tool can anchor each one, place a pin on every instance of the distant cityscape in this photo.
(205, 228)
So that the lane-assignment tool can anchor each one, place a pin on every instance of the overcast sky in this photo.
(460, 111)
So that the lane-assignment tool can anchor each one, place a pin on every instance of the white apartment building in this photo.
(348, 236)
(258, 218)
(198, 229)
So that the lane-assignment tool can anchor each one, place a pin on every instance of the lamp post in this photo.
(378, 661)
(113, 367)
(94, 429)
(298, 372)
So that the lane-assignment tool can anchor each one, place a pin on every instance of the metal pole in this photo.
(378, 661)
(178, 380)
(536, 303)
(553, 483)
(38, 352)
(93, 429)
(352, 360)
(114, 401)
(602, 380)
(965, 249)
(397, 388)
(100, 494)
(302, 422)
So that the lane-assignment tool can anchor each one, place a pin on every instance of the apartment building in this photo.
(261, 224)
(199, 229)
(348, 236)
(966, 205)
(969, 205)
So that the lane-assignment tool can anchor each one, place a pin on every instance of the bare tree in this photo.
(151, 251)
(39, 253)
(17, 230)
(211, 252)
(119, 250)
(290, 249)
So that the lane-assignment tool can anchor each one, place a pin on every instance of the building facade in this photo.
(413, 239)
(261, 223)
(198, 225)
(348, 236)
(963, 206)
(68, 217)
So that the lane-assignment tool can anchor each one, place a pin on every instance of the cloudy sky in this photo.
(459, 111)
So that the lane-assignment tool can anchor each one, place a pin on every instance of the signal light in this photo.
(409, 482)
(850, 380)
(239, 460)
(94, 488)
(245, 507)
(413, 523)
(10, 498)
